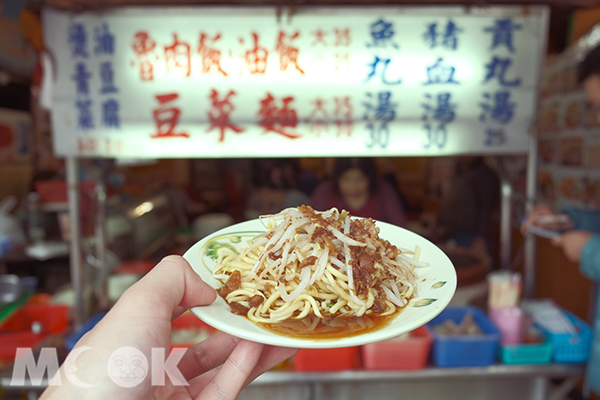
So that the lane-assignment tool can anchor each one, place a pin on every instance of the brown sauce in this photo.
(337, 328)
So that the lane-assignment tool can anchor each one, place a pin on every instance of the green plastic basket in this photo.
(540, 353)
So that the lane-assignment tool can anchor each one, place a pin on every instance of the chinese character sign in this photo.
(239, 82)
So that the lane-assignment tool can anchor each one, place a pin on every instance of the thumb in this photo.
(170, 284)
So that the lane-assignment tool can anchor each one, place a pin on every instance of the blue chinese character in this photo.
(431, 35)
(373, 71)
(110, 114)
(503, 33)
(442, 113)
(497, 68)
(494, 137)
(382, 33)
(78, 40)
(497, 107)
(449, 38)
(384, 110)
(436, 117)
(84, 119)
(439, 73)
(105, 41)
(81, 78)
(107, 77)
(378, 116)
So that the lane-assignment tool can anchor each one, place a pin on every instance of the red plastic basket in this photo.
(399, 354)
(187, 320)
(338, 359)
(16, 332)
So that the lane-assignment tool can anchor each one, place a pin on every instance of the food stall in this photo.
(138, 83)
(338, 82)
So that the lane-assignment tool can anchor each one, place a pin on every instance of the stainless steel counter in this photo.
(485, 383)
(544, 382)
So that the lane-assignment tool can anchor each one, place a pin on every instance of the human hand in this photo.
(536, 216)
(217, 368)
(572, 242)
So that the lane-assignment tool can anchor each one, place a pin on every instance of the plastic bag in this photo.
(10, 228)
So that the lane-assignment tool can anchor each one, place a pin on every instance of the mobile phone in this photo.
(552, 219)
(547, 233)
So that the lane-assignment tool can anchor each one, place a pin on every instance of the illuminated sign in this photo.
(241, 82)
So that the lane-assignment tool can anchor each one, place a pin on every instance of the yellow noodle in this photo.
(281, 262)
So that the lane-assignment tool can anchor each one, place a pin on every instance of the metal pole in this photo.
(506, 193)
(76, 262)
(102, 267)
(532, 159)
(505, 220)
(529, 245)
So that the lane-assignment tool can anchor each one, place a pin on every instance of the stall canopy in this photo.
(248, 82)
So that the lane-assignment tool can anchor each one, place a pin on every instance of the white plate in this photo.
(435, 287)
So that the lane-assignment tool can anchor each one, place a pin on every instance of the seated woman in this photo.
(356, 187)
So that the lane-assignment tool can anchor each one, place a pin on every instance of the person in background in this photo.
(467, 208)
(355, 186)
(580, 240)
(275, 187)
(217, 368)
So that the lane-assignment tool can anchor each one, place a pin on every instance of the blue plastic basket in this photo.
(571, 347)
(464, 350)
(74, 337)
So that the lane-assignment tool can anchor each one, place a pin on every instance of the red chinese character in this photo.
(343, 115)
(220, 119)
(166, 118)
(275, 119)
(143, 45)
(319, 117)
(342, 37)
(342, 62)
(177, 56)
(287, 53)
(319, 37)
(256, 59)
(211, 57)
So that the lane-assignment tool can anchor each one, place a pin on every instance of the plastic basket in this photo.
(87, 326)
(540, 353)
(336, 359)
(16, 330)
(399, 354)
(464, 350)
(571, 347)
(187, 320)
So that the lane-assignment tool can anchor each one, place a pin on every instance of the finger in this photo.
(270, 357)
(557, 241)
(171, 284)
(142, 316)
(215, 350)
(207, 355)
(231, 377)
(177, 311)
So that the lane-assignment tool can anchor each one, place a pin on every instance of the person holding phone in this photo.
(579, 236)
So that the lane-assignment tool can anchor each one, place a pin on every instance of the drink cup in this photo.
(509, 320)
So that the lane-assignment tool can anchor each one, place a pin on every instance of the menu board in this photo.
(569, 135)
(249, 82)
